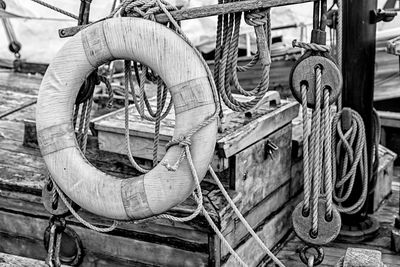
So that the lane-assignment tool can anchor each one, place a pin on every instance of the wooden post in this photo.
(359, 37)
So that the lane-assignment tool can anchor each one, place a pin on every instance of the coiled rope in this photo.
(350, 150)
(349, 147)
(226, 54)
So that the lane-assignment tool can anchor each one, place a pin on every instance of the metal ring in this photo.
(317, 259)
(68, 235)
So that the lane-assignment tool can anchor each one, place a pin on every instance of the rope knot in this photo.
(311, 46)
(146, 9)
(182, 141)
(257, 17)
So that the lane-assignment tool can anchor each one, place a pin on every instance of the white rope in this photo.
(223, 239)
(243, 220)
(79, 218)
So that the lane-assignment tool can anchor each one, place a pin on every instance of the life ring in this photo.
(192, 93)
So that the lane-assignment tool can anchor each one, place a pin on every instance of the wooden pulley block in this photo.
(328, 228)
(303, 73)
(55, 208)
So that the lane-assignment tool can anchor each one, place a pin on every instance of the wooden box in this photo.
(262, 184)
(262, 187)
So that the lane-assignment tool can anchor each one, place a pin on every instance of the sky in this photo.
(40, 41)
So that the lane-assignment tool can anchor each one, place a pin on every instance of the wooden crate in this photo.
(264, 186)
(161, 243)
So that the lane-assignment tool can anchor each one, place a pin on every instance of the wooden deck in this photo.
(333, 252)
(22, 174)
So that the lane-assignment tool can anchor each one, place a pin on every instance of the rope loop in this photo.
(256, 18)
(311, 46)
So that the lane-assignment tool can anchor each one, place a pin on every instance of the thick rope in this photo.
(316, 152)
(127, 135)
(306, 151)
(79, 218)
(143, 100)
(311, 46)
(327, 156)
(352, 144)
(223, 239)
(242, 219)
(226, 54)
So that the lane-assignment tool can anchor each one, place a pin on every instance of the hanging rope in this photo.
(350, 150)
(226, 54)
(317, 152)
(183, 142)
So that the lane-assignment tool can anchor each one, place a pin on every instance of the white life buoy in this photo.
(192, 93)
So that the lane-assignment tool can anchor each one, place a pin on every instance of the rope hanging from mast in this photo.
(226, 56)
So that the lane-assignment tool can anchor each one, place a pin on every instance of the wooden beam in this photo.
(220, 9)
(359, 37)
(207, 11)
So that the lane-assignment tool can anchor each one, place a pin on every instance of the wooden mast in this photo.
(359, 38)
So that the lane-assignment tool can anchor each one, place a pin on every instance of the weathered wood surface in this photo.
(387, 79)
(206, 11)
(258, 174)
(357, 257)
(389, 119)
(335, 250)
(120, 245)
(272, 231)
(20, 83)
(239, 130)
(23, 174)
(8, 260)
(383, 186)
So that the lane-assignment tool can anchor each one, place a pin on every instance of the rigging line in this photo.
(57, 9)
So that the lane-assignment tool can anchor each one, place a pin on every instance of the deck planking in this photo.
(334, 251)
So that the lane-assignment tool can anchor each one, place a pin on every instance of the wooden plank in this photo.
(255, 130)
(236, 233)
(12, 260)
(236, 127)
(19, 226)
(389, 119)
(18, 82)
(205, 11)
(335, 250)
(10, 101)
(271, 233)
(257, 174)
(384, 176)
(162, 231)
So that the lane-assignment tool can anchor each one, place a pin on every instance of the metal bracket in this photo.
(382, 15)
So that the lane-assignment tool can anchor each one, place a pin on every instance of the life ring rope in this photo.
(184, 142)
